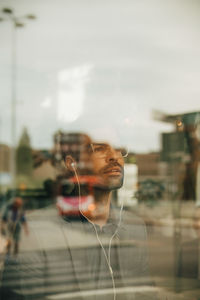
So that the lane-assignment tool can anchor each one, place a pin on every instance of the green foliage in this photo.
(29, 182)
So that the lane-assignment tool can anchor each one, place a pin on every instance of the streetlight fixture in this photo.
(17, 22)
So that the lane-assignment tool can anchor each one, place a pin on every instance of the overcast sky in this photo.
(101, 67)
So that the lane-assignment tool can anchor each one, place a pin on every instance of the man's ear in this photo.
(70, 163)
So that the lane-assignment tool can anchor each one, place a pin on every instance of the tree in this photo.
(24, 160)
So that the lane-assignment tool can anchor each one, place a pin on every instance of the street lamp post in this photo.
(17, 22)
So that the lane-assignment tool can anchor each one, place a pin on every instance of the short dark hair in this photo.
(72, 143)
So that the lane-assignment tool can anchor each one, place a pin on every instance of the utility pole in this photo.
(16, 22)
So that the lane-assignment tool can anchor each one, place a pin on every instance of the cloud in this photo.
(71, 92)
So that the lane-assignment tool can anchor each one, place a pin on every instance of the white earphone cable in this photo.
(107, 257)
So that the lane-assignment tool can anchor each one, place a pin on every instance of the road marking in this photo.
(102, 292)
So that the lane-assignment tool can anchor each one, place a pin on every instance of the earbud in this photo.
(73, 165)
(70, 163)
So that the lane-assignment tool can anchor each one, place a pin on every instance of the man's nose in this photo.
(112, 154)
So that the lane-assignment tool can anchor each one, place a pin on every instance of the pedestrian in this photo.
(13, 218)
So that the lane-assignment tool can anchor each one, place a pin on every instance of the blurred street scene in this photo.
(99, 150)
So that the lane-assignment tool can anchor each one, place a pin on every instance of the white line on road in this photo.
(102, 292)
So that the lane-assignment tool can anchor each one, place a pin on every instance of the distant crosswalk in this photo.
(49, 275)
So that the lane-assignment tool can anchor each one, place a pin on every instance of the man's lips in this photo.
(113, 171)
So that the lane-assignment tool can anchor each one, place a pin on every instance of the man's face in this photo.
(107, 165)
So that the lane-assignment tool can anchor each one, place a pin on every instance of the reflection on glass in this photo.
(99, 150)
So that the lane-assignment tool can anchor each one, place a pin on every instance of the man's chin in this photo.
(112, 184)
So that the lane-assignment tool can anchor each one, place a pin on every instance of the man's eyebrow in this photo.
(99, 144)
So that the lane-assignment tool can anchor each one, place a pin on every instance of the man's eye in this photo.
(123, 152)
(99, 149)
